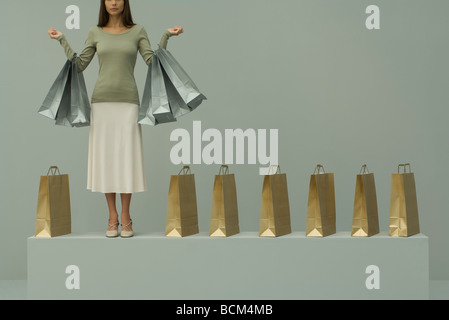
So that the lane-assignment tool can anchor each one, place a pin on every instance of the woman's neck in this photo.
(115, 22)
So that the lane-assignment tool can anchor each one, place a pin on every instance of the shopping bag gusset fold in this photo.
(80, 105)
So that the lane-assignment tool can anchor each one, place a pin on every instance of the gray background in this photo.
(339, 94)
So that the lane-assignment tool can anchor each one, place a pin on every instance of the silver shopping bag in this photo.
(63, 112)
(55, 95)
(146, 106)
(79, 100)
(182, 83)
(168, 93)
(177, 104)
(155, 107)
(67, 102)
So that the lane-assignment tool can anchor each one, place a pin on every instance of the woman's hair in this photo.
(103, 17)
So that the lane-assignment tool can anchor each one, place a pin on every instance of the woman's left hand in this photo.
(177, 30)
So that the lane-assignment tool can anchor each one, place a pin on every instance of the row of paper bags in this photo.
(54, 218)
(168, 94)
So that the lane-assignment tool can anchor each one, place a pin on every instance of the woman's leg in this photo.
(126, 218)
(113, 214)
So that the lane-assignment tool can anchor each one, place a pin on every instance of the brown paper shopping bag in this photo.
(182, 215)
(224, 221)
(53, 217)
(404, 220)
(275, 207)
(365, 220)
(321, 204)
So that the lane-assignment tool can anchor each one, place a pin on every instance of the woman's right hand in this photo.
(53, 33)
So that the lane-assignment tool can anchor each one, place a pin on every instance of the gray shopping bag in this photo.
(79, 100)
(146, 106)
(63, 113)
(155, 107)
(55, 95)
(169, 92)
(67, 102)
(183, 84)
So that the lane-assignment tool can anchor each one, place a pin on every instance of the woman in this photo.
(115, 160)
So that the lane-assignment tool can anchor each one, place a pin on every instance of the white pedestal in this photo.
(243, 266)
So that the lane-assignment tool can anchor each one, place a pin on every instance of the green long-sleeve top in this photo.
(117, 54)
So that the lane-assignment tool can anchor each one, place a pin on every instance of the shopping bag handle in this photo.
(278, 169)
(405, 167)
(184, 170)
(319, 167)
(364, 169)
(223, 168)
(53, 170)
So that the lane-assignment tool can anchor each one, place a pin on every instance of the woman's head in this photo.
(115, 8)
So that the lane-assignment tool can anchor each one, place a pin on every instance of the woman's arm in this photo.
(145, 46)
(82, 60)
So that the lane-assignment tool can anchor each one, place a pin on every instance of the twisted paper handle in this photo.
(278, 169)
(184, 170)
(319, 167)
(223, 168)
(364, 169)
(404, 165)
(53, 170)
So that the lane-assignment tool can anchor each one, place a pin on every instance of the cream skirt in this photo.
(115, 160)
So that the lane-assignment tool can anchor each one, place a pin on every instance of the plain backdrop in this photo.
(339, 95)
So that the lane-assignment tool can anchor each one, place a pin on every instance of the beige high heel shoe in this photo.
(126, 233)
(112, 233)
